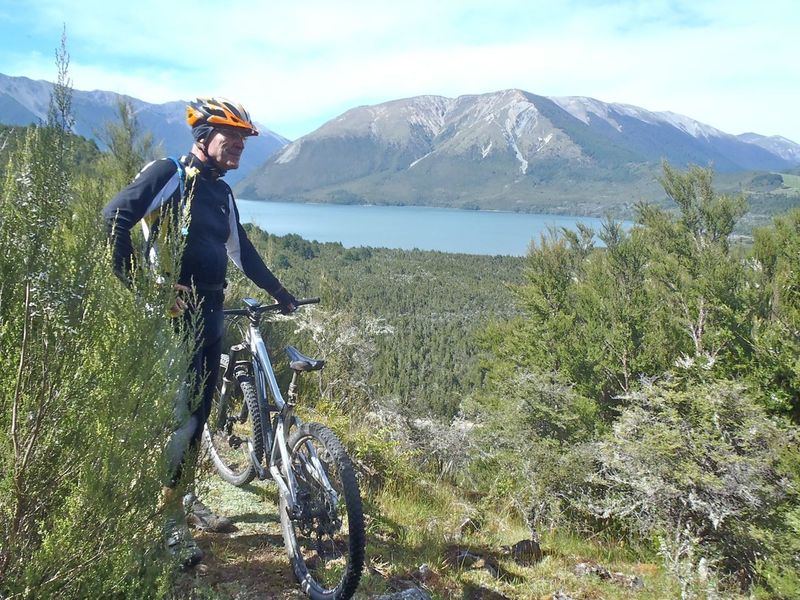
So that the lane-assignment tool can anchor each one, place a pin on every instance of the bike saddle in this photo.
(300, 362)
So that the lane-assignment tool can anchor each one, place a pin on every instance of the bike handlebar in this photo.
(260, 308)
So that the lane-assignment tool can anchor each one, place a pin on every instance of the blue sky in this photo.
(731, 64)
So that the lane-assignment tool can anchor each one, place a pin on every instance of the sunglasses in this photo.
(232, 134)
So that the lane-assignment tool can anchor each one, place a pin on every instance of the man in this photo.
(186, 200)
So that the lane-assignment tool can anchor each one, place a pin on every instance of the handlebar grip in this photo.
(307, 301)
(267, 307)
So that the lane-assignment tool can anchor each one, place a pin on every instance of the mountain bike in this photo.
(252, 431)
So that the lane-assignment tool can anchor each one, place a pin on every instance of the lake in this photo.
(407, 227)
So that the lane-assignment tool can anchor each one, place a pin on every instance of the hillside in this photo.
(658, 372)
(508, 150)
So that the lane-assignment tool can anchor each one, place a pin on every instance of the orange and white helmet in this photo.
(219, 112)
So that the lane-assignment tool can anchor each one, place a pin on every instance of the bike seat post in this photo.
(291, 396)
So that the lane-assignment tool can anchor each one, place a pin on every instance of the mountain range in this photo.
(24, 101)
(508, 150)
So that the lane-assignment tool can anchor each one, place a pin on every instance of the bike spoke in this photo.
(319, 536)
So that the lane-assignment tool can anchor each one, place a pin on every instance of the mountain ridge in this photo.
(509, 150)
(25, 101)
(504, 150)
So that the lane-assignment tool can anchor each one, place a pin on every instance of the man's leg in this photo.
(197, 513)
(180, 454)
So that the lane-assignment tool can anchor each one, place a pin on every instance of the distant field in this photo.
(791, 181)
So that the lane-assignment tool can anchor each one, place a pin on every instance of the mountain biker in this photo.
(187, 198)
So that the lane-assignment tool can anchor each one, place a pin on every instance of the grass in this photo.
(791, 181)
(414, 537)
(430, 520)
(430, 534)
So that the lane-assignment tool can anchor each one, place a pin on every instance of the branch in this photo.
(20, 367)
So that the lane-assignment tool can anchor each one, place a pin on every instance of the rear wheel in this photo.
(234, 427)
(325, 536)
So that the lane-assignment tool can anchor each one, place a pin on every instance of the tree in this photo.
(88, 373)
(128, 148)
(699, 280)
(776, 323)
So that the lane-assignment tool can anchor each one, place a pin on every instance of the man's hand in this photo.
(288, 301)
(176, 310)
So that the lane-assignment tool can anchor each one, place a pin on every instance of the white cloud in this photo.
(730, 64)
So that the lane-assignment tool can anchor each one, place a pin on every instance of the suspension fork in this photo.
(228, 383)
(279, 451)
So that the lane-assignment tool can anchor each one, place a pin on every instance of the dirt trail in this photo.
(249, 563)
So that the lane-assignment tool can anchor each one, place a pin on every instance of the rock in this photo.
(426, 575)
(461, 558)
(559, 595)
(409, 594)
(526, 552)
(633, 582)
(469, 525)
(585, 569)
(477, 592)
(636, 582)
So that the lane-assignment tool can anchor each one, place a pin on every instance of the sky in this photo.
(731, 64)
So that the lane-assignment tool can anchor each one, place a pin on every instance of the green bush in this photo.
(779, 571)
(88, 373)
(528, 446)
(705, 470)
(776, 324)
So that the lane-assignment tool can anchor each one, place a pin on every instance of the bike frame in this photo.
(276, 436)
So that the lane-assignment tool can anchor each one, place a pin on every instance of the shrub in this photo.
(528, 447)
(704, 470)
(88, 373)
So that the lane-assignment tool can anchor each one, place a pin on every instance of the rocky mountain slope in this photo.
(24, 101)
(509, 150)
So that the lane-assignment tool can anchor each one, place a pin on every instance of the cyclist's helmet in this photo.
(205, 114)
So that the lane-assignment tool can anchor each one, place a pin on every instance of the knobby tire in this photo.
(328, 567)
(227, 444)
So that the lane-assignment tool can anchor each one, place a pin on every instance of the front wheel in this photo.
(325, 536)
(234, 427)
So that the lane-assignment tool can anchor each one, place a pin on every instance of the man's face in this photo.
(225, 146)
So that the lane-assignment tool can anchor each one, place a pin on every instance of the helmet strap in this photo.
(214, 168)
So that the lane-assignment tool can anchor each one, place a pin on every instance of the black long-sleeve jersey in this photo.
(186, 198)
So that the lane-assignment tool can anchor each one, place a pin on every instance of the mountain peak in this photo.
(24, 101)
(507, 149)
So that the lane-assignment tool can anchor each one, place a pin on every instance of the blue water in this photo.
(407, 227)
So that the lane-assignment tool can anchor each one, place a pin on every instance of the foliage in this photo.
(527, 445)
(637, 344)
(776, 332)
(84, 413)
(703, 469)
(780, 571)
(84, 153)
(128, 148)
